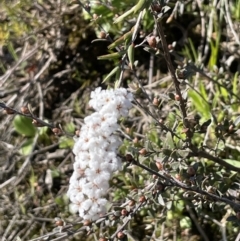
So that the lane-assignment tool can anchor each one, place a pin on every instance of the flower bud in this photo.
(77, 133)
(159, 165)
(131, 203)
(135, 140)
(155, 101)
(25, 110)
(124, 212)
(120, 235)
(102, 35)
(59, 222)
(152, 41)
(161, 121)
(185, 130)
(9, 111)
(142, 199)
(178, 177)
(87, 223)
(103, 239)
(127, 130)
(143, 152)
(56, 131)
(231, 128)
(177, 97)
(154, 176)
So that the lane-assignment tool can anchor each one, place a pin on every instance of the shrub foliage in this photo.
(180, 151)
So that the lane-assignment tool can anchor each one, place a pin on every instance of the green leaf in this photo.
(65, 142)
(43, 130)
(55, 173)
(233, 162)
(235, 83)
(130, 53)
(12, 51)
(26, 148)
(193, 49)
(169, 141)
(124, 38)
(169, 205)
(185, 222)
(201, 106)
(237, 121)
(114, 71)
(111, 56)
(203, 91)
(24, 126)
(70, 127)
(59, 201)
(126, 14)
(224, 92)
(183, 153)
(160, 200)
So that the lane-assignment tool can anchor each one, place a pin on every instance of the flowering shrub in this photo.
(96, 152)
(179, 178)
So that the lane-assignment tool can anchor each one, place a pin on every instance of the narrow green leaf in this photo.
(99, 40)
(235, 83)
(125, 38)
(160, 200)
(126, 14)
(237, 121)
(12, 51)
(111, 56)
(130, 53)
(114, 71)
(169, 205)
(203, 91)
(193, 49)
(224, 92)
(200, 105)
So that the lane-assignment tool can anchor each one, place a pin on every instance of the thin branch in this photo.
(171, 69)
(31, 116)
(174, 182)
(199, 228)
(127, 221)
(218, 160)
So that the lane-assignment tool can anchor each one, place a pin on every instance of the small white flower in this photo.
(96, 152)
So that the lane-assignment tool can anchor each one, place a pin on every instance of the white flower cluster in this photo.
(96, 152)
